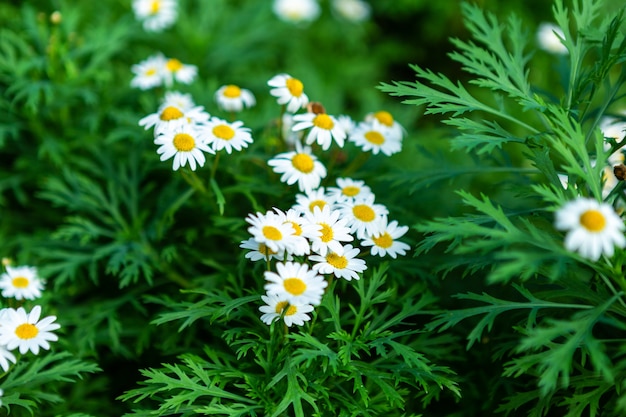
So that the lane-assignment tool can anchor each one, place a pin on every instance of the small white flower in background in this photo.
(177, 71)
(296, 11)
(148, 73)
(288, 91)
(294, 313)
(352, 10)
(348, 190)
(182, 101)
(185, 144)
(383, 120)
(612, 128)
(548, 35)
(295, 283)
(5, 357)
(324, 128)
(346, 266)
(384, 240)
(332, 230)
(233, 98)
(271, 230)
(260, 251)
(170, 116)
(21, 283)
(25, 331)
(306, 203)
(290, 137)
(221, 134)
(156, 15)
(299, 166)
(363, 215)
(346, 123)
(593, 228)
(371, 137)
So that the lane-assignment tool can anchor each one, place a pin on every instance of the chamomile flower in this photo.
(233, 98)
(375, 138)
(148, 73)
(294, 313)
(288, 91)
(5, 357)
(332, 230)
(175, 70)
(25, 331)
(352, 10)
(295, 283)
(383, 121)
(384, 240)
(300, 245)
(363, 215)
(260, 251)
(348, 190)
(324, 128)
(170, 116)
(593, 228)
(156, 15)
(182, 101)
(346, 123)
(549, 38)
(272, 230)
(296, 11)
(306, 203)
(221, 134)
(21, 283)
(299, 166)
(346, 266)
(185, 144)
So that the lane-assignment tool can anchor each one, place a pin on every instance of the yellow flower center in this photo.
(374, 137)
(291, 311)
(26, 331)
(224, 132)
(280, 306)
(337, 261)
(593, 221)
(302, 162)
(265, 250)
(150, 72)
(383, 241)
(184, 142)
(323, 121)
(173, 65)
(316, 203)
(350, 191)
(155, 6)
(363, 212)
(294, 86)
(171, 113)
(232, 91)
(272, 233)
(327, 233)
(20, 282)
(296, 227)
(384, 117)
(294, 286)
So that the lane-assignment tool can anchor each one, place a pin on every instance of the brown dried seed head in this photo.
(315, 107)
(620, 171)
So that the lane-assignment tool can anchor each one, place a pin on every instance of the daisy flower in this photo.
(346, 266)
(175, 70)
(346, 123)
(289, 91)
(221, 134)
(299, 166)
(5, 357)
(26, 331)
(275, 307)
(302, 228)
(260, 251)
(148, 73)
(185, 144)
(272, 230)
(384, 121)
(331, 231)
(549, 38)
(363, 215)
(170, 116)
(296, 11)
(348, 190)
(324, 128)
(371, 137)
(22, 283)
(156, 15)
(179, 100)
(306, 203)
(233, 98)
(593, 228)
(295, 283)
(352, 10)
(383, 241)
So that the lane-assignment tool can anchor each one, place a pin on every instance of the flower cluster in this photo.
(156, 15)
(303, 11)
(158, 70)
(20, 329)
